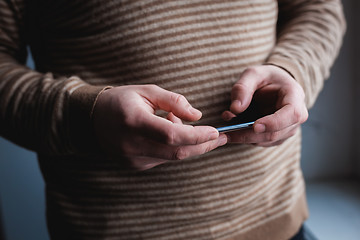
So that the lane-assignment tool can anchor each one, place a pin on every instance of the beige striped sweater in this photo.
(195, 48)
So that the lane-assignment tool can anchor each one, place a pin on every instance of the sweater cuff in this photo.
(82, 101)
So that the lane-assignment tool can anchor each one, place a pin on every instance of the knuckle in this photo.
(170, 137)
(305, 115)
(180, 153)
(252, 70)
(198, 140)
(272, 136)
(208, 148)
(300, 115)
(243, 139)
(238, 87)
(297, 114)
(131, 121)
(299, 89)
(177, 98)
(152, 87)
(276, 122)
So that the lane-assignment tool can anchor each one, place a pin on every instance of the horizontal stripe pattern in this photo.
(319, 28)
(235, 189)
(195, 48)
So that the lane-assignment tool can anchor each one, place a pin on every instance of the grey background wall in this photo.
(356, 65)
(330, 144)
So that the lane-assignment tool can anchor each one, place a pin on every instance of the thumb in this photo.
(172, 102)
(243, 90)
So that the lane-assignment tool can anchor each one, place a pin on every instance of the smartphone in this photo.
(246, 119)
(235, 127)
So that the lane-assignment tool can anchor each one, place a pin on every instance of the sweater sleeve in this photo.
(309, 37)
(37, 111)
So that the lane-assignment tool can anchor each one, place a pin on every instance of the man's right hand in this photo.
(126, 126)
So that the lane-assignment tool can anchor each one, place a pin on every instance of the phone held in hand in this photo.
(246, 119)
(235, 127)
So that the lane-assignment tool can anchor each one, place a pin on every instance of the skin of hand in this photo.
(273, 88)
(127, 127)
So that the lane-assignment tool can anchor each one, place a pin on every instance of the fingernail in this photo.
(259, 128)
(213, 135)
(222, 140)
(194, 111)
(235, 106)
(237, 103)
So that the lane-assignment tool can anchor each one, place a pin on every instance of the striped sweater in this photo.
(195, 48)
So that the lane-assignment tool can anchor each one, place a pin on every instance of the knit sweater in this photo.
(196, 48)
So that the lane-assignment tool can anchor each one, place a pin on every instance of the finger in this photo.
(155, 150)
(170, 102)
(285, 117)
(184, 152)
(244, 136)
(227, 115)
(248, 136)
(292, 110)
(243, 90)
(171, 117)
(170, 133)
(290, 134)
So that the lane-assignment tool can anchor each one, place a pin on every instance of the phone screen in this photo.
(245, 119)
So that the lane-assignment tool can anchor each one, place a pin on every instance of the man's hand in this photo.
(275, 90)
(127, 127)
